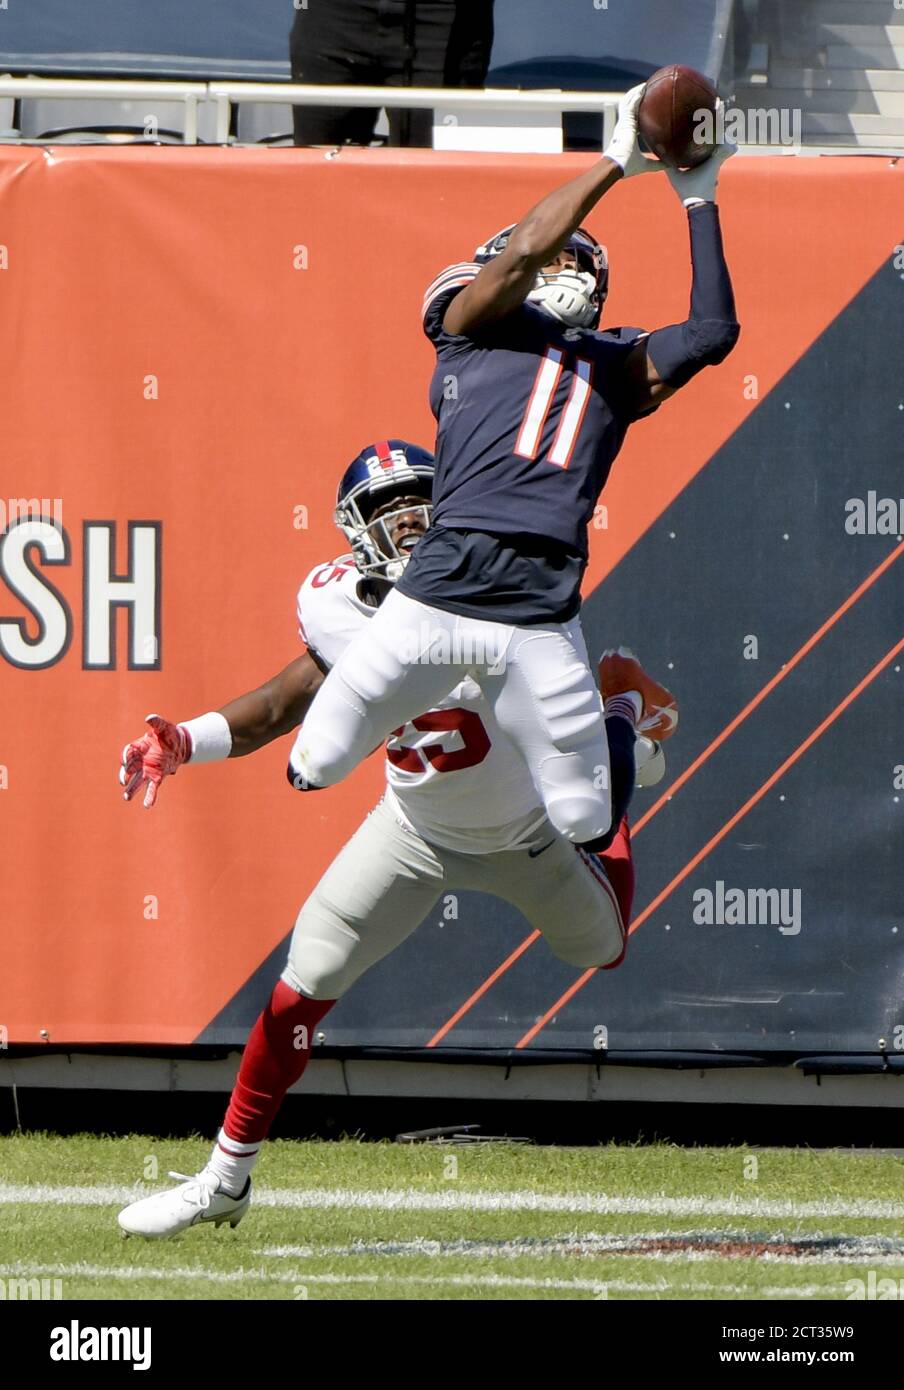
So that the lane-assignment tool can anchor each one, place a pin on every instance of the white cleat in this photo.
(198, 1199)
(649, 762)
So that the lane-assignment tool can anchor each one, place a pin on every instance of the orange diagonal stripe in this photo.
(725, 830)
(482, 989)
(769, 686)
(691, 770)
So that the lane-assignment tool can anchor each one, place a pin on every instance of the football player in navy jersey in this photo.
(533, 403)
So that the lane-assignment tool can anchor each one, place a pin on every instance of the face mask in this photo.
(569, 295)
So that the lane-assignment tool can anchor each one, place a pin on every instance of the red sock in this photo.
(619, 868)
(275, 1056)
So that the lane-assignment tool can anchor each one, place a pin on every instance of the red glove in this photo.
(156, 755)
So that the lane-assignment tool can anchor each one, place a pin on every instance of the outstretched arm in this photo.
(505, 282)
(241, 727)
(275, 708)
(668, 358)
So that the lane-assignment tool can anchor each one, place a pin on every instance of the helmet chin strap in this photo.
(568, 296)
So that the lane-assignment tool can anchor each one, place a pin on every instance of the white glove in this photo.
(622, 148)
(695, 186)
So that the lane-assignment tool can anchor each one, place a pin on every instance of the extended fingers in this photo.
(632, 99)
(131, 771)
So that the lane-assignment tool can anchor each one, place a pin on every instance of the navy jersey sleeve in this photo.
(621, 342)
(440, 295)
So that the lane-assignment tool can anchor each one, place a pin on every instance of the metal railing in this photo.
(228, 94)
(108, 90)
(224, 95)
(452, 99)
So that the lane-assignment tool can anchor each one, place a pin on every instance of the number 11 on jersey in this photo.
(546, 383)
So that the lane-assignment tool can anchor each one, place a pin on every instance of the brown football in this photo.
(672, 119)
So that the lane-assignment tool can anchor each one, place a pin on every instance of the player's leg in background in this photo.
(568, 895)
(618, 865)
(442, 43)
(609, 861)
(327, 46)
(546, 698)
(376, 892)
(621, 713)
(639, 713)
(409, 657)
(580, 902)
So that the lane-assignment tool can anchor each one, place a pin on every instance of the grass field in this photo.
(351, 1220)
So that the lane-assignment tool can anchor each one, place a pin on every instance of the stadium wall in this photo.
(194, 344)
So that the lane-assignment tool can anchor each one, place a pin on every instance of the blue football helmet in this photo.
(575, 297)
(384, 470)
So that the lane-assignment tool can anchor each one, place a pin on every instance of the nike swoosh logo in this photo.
(532, 853)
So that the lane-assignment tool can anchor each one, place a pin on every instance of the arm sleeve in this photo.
(711, 330)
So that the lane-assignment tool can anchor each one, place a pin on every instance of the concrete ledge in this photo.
(764, 1085)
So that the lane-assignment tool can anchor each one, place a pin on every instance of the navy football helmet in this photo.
(575, 297)
(390, 468)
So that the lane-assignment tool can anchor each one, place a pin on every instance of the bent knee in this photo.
(324, 953)
(576, 796)
(598, 954)
(319, 970)
(581, 819)
(312, 986)
(300, 780)
(307, 772)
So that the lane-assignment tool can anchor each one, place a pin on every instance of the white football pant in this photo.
(388, 879)
(411, 655)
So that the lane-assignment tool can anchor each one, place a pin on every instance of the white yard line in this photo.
(301, 1279)
(24, 1269)
(414, 1199)
(298, 1278)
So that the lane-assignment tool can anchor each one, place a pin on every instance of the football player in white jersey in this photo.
(460, 812)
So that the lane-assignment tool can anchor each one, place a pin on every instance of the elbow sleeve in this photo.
(683, 349)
